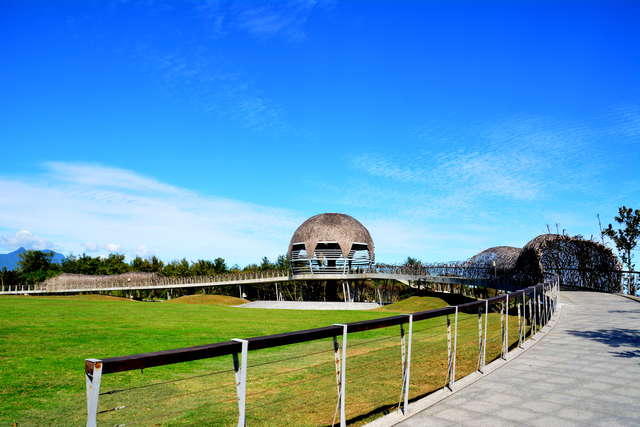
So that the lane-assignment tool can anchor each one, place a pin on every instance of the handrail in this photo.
(167, 357)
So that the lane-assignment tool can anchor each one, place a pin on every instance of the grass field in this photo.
(44, 340)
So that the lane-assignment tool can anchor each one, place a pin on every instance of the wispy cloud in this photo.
(262, 19)
(192, 68)
(206, 82)
(518, 159)
(93, 175)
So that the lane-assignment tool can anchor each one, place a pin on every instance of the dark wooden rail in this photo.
(167, 357)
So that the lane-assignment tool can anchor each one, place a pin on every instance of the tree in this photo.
(219, 265)
(203, 267)
(9, 278)
(148, 265)
(265, 264)
(113, 264)
(282, 263)
(31, 261)
(626, 237)
(411, 262)
(36, 266)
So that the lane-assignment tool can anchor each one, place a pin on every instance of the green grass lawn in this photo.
(44, 341)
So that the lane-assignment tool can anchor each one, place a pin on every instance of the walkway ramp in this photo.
(586, 371)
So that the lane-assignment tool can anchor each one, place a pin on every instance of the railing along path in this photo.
(534, 306)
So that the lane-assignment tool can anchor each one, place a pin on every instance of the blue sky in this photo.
(213, 128)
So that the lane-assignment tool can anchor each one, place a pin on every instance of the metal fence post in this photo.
(546, 305)
(481, 341)
(241, 380)
(535, 310)
(406, 364)
(505, 344)
(530, 318)
(342, 392)
(484, 336)
(455, 346)
(452, 352)
(93, 374)
(539, 313)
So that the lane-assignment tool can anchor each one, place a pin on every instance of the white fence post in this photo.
(484, 342)
(240, 368)
(406, 364)
(505, 336)
(93, 390)
(481, 341)
(520, 327)
(342, 393)
(452, 352)
(535, 310)
(539, 313)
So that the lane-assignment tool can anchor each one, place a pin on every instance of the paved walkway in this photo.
(586, 371)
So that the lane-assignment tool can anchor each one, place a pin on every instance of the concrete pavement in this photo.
(585, 371)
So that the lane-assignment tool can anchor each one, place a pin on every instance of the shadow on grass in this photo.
(617, 338)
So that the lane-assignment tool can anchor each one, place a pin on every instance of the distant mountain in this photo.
(11, 259)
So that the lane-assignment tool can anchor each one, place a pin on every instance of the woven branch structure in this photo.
(580, 263)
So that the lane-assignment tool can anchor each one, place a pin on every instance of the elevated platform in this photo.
(248, 279)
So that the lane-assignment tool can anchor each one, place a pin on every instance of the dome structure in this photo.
(501, 258)
(331, 243)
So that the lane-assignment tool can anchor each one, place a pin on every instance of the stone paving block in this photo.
(515, 414)
(576, 414)
(489, 421)
(543, 407)
(553, 421)
(610, 421)
(458, 415)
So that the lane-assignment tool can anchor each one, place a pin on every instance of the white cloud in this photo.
(143, 252)
(25, 239)
(112, 247)
(89, 207)
(91, 247)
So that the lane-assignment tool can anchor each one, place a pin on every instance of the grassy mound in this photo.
(430, 301)
(413, 304)
(209, 299)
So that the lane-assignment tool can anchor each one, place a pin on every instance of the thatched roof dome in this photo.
(505, 258)
(332, 227)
